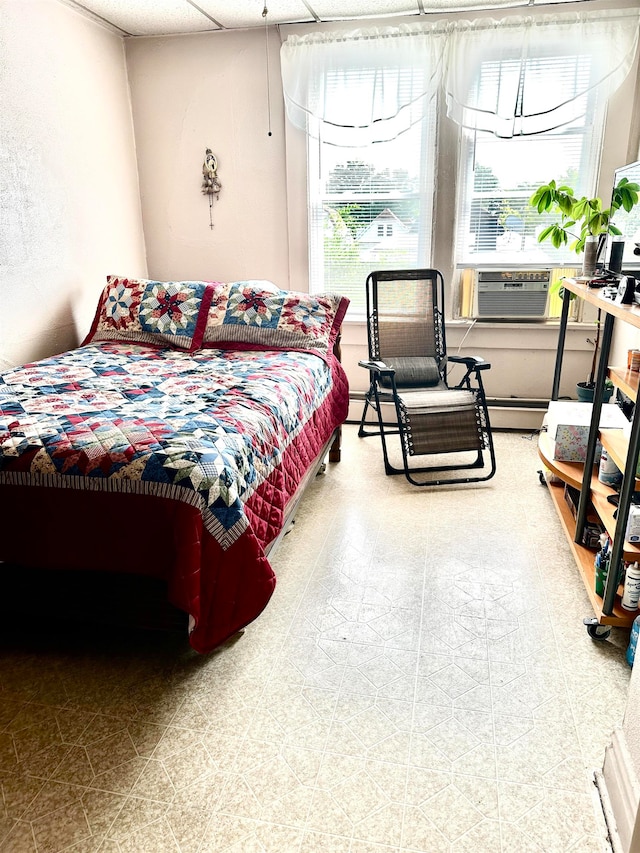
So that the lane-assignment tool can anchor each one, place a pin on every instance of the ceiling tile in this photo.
(249, 12)
(431, 6)
(163, 17)
(159, 17)
(335, 10)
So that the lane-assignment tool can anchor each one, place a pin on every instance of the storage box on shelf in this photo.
(622, 445)
(568, 426)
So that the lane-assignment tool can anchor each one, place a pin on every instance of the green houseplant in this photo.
(580, 218)
(582, 222)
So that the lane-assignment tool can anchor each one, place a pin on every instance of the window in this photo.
(528, 95)
(369, 208)
(495, 224)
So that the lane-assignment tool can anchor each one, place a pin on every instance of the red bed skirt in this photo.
(236, 584)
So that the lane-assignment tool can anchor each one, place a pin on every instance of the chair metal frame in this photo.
(382, 374)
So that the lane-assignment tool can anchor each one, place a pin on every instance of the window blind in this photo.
(495, 223)
(370, 207)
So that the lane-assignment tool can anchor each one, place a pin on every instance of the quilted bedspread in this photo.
(228, 432)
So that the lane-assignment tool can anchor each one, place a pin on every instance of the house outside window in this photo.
(372, 208)
(369, 208)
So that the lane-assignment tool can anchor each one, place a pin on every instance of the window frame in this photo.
(589, 135)
(620, 145)
(426, 194)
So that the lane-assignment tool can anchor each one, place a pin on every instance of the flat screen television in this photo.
(628, 223)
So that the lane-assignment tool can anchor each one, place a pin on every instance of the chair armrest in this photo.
(378, 367)
(474, 362)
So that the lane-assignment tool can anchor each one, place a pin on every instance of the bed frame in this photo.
(102, 599)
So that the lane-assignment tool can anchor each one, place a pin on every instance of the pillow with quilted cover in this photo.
(248, 312)
(170, 313)
(262, 283)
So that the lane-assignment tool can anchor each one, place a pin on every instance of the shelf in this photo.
(605, 510)
(619, 444)
(616, 443)
(584, 558)
(571, 473)
(628, 313)
(626, 380)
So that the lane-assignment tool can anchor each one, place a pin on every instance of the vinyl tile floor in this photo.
(420, 681)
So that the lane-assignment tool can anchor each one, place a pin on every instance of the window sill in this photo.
(486, 337)
(551, 323)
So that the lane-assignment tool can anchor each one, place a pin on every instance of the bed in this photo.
(175, 442)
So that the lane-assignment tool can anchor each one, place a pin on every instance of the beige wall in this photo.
(191, 92)
(203, 91)
(69, 204)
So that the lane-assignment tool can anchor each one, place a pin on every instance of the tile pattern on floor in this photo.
(420, 681)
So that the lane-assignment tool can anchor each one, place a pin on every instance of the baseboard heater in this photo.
(517, 403)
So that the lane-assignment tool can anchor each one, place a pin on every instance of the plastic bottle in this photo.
(633, 640)
(608, 471)
(601, 565)
(631, 594)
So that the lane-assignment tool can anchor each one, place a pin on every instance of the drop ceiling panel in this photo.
(145, 18)
(163, 17)
(433, 6)
(249, 12)
(335, 10)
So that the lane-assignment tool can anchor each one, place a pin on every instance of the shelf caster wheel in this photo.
(542, 478)
(597, 631)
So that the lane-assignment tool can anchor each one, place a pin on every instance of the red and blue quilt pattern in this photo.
(206, 427)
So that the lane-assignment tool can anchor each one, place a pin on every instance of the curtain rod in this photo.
(444, 27)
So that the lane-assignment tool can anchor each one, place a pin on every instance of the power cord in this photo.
(466, 335)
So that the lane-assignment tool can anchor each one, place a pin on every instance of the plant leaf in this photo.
(544, 202)
(545, 233)
(558, 236)
(565, 203)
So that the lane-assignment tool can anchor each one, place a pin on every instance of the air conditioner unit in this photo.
(511, 294)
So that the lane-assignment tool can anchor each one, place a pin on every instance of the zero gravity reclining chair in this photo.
(408, 366)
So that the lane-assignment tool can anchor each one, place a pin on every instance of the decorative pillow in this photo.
(155, 312)
(259, 284)
(247, 312)
(413, 372)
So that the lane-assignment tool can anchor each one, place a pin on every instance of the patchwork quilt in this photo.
(229, 432)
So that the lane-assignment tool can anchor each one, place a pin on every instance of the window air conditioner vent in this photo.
(506, 294)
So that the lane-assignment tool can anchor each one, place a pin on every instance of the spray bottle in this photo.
(631, 594)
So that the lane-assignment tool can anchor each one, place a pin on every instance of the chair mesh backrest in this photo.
(405, 315)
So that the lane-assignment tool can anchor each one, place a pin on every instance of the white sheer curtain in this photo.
(507, 76)
(524, 76)
(356, 88)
